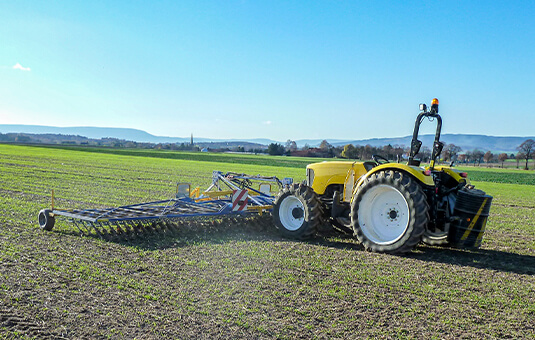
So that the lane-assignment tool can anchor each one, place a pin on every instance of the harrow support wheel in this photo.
(46, 219)
(389, 212)
(297, 212)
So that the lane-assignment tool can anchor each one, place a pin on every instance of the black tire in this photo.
(46, 219)
(297, 212)
(389, 212)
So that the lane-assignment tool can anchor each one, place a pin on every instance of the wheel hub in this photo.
(292, 213)
(298, 212)
(393, 214)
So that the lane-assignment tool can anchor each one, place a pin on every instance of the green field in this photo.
(243, 281)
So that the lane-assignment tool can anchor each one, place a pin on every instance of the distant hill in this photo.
(89, 135)
(466, 142)
(92, 132)
(120, 133)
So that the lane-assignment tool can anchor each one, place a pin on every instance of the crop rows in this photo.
(241, 281)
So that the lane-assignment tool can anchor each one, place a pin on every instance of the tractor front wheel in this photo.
(297, 212)
(389, 212)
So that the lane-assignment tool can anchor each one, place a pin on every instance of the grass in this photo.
(497, 175)
(261, 159)
(242, 281)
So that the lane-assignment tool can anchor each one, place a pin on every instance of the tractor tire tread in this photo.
(418, 206)
(313, 211)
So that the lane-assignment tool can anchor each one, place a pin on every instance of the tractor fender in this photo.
(454, 173)
(416, 172)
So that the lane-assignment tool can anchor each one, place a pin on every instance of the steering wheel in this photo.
(380, 159)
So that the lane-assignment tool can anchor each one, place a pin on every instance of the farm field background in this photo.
(243, 281)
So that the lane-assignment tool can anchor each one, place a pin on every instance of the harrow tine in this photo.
(146, 227)
(164, 227)
(172, 225)
(130, 231)
(99, 226)
(157, 227)
(127, 228)
(77, 226)
(87, 226)
(167, 226)
(119, 230)
(96, 229)
(105, 230)
(110, 230)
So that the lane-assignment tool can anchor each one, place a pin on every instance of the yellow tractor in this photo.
(389, 207)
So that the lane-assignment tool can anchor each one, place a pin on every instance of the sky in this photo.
(269, 69)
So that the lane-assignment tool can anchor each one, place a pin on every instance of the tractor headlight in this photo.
(310, 177)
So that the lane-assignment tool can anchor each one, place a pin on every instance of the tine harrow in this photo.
(231, 199)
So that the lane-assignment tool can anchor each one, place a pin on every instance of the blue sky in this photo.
(269, 69)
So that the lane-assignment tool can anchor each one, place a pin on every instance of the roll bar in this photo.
(416, 144)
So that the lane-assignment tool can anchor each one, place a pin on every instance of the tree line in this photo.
(450, 153)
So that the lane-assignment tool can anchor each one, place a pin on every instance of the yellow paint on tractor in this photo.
(344, 172)
(414, 171)
(456, 174)
(328, 173)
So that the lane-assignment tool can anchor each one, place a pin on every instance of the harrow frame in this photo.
(240, 199)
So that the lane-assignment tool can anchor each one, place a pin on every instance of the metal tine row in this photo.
(137, 228)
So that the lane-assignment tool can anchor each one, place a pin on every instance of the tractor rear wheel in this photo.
(297, 212)
(389, 212)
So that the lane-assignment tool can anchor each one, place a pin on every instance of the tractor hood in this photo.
(321, 175)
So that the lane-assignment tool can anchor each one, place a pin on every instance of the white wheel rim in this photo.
(383, 214)
(292, 213)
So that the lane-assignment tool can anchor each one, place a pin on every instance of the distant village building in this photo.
(312, 152)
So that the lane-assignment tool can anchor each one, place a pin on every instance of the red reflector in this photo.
(463, 174)
(427, 172)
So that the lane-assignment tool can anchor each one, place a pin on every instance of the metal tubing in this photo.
(164, 214)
